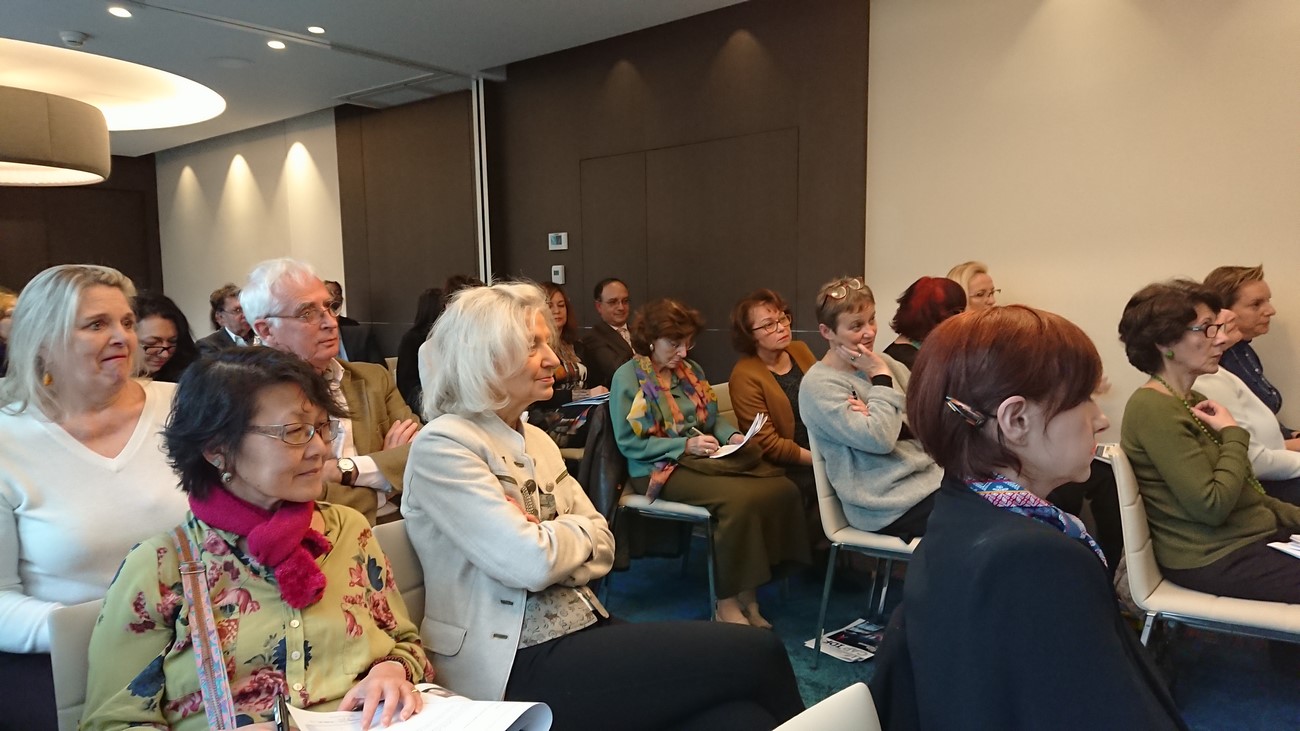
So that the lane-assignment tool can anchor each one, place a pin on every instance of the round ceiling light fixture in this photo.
(118, 11)
(130, 95)
(51, 140)
(277, 45)
(315, 29)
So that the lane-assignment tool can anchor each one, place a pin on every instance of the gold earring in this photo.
(47, 380)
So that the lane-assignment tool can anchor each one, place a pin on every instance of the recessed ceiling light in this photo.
(277, 45)
(119, 11)
(315, 29)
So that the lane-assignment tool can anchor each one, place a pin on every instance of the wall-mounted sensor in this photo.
(557, 274)
(557, 241)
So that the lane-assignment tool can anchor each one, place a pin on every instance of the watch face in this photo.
(347, 465)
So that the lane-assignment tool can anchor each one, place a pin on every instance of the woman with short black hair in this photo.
(302, 595)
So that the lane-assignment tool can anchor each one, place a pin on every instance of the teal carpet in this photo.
(1220, 682)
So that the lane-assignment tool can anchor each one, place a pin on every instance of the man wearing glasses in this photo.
(609, 345)
(227, 318)
(292, 311)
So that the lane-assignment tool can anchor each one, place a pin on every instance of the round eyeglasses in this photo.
(298, 434)
(842, 290)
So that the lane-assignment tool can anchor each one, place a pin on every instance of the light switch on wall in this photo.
(557, 274)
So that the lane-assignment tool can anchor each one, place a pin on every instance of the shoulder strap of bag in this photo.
(213, 681)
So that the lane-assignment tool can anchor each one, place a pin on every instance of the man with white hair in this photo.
(291, 310)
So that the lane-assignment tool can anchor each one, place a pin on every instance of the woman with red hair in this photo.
(922, 306)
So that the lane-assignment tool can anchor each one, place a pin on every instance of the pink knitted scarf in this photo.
(283, 540)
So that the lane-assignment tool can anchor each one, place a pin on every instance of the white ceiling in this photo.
(368, 45)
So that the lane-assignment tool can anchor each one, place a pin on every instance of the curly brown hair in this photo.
(663, 318)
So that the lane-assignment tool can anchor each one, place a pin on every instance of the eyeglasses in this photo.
(985, 294)
(158, 349)
(771, 325)
(675, 346)
(313, 315)
(299, 434)
(1209, 330)
(841, 291)
(617, 303)
(237, 311)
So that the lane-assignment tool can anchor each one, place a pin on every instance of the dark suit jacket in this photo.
(603, 351)
(1007, 624)
(376, 405)
(359, 341)
(219, 340)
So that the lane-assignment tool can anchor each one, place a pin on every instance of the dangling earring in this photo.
(1169, 355)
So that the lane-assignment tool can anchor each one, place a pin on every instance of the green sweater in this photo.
(1199, 502)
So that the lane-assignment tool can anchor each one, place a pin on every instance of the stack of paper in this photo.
(443, 711)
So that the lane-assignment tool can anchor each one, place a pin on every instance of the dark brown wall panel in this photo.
(614, 227)
(751, 118)
(407, 201)
(724, 206)
(114, 223)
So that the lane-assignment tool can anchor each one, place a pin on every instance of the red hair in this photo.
(925, 304)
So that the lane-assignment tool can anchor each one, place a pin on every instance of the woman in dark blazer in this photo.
(1009, 620)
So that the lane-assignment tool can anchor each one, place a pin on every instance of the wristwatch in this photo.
(349, 470)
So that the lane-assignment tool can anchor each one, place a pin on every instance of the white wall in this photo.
(229, 202)
(1083, 148)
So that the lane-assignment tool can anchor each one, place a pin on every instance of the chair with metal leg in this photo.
(842, 535)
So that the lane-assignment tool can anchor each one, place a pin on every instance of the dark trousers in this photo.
(1254, 571)
(27, 698)
(660, 675)
(1288, 491)
(911, 524)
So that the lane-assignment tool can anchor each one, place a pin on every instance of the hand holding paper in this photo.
(759, 421)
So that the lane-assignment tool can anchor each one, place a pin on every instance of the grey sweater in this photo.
(875, 474)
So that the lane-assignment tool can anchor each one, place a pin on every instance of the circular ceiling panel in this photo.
(130, 95)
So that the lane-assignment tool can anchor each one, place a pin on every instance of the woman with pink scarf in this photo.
(302, 600)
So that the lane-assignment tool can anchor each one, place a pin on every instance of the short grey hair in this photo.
(961, 274)
(44, 320)
(261, 295)
(482, 339)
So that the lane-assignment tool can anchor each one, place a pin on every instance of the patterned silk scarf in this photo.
(1008, 495)
(655, 412)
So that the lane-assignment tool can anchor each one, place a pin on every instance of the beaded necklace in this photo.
(1254, 481)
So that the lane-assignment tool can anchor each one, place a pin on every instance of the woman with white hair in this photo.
(511, 542)
(974, 277)
(82, 473)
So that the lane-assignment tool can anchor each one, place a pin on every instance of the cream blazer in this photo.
(479, 553)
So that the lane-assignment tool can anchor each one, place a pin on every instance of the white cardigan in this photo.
(480, 555)
(1269, 456)
(68, 516)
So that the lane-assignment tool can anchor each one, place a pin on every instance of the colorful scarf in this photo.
(282, 540)
(655, 412)
(1007, 495)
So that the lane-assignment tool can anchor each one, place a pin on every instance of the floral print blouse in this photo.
(142, 669)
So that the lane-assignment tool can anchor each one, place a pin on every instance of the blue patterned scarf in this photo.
(1007, 495)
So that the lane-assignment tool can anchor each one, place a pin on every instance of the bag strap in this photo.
(214, 684)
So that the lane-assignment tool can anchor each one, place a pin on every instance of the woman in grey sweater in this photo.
(853, 404)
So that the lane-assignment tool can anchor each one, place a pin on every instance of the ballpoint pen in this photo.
(280, 714)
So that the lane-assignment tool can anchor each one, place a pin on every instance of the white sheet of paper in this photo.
(440, 714)
(726, 449)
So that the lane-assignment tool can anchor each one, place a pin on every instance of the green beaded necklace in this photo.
(1254, 481)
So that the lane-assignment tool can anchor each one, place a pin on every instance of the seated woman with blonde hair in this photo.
(974, 278)
(512, 543)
